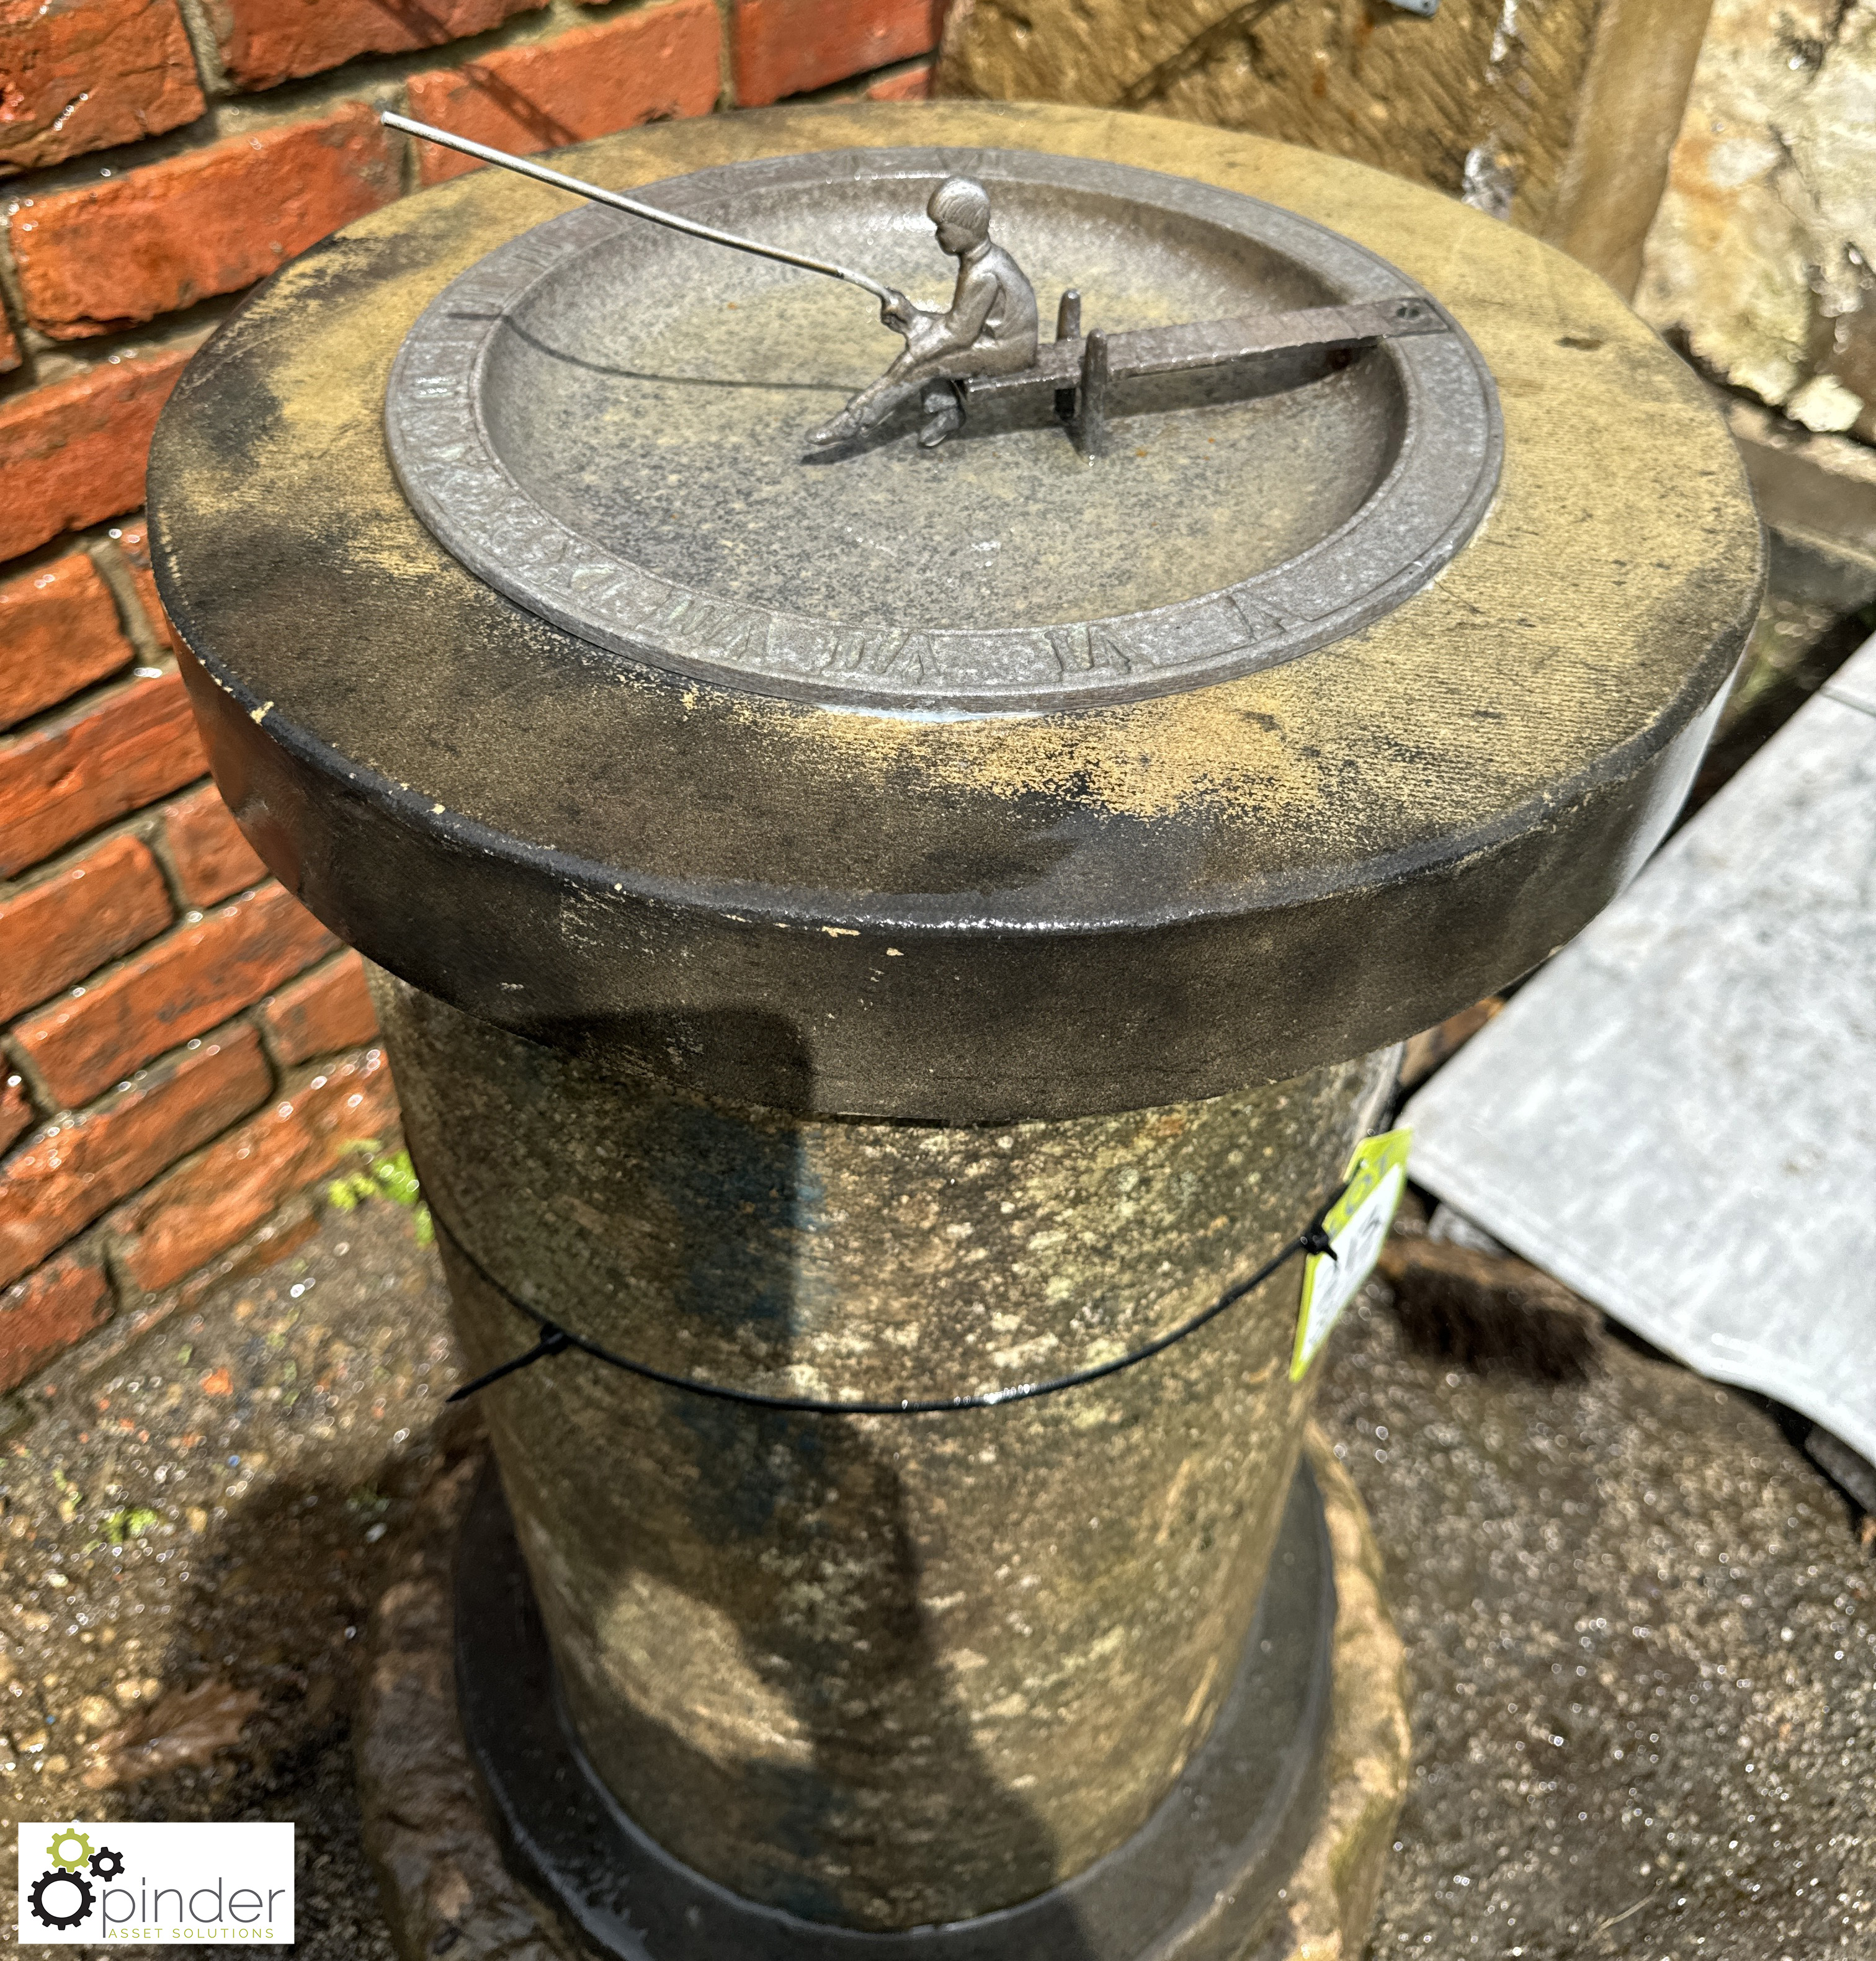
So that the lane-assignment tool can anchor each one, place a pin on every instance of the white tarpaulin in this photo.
(1677, 1117)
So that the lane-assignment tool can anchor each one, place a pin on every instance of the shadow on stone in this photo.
(733, 1594)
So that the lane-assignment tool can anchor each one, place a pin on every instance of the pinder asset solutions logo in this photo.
(142, 1884)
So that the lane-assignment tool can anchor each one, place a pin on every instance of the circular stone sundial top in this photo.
(608, 422)
(1023, 775)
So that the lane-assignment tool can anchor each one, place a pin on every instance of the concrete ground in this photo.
(1640, 1624)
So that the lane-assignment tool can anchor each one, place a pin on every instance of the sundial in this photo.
(1157, 433)
(934, 671)
(1340, 570)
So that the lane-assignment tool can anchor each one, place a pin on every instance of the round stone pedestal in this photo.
(1201, 1875)
(451, 1694)
(879, 1672)
(800, 1007)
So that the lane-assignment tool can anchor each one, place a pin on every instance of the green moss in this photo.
(387, 1175)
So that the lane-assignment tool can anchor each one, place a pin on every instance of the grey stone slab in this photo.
(1678, 1116)
(1855, 684)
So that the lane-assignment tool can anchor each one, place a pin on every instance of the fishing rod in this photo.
(525, 167)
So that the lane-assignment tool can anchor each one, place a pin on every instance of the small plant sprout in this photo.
(385, 1175)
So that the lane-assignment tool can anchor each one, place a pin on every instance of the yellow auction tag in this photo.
(1357, 1225)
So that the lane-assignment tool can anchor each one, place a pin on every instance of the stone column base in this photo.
(447, 1885)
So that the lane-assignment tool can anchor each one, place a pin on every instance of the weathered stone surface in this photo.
(444, 1887)
(1516, 1517)
(1042, 1604)
(1560, 118)
(1759, 257)
(1338, 1878)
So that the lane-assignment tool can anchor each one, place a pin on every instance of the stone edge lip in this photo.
(442, 1879)
(1409, 526)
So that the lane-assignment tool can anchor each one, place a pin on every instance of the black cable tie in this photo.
(554, 1338)
(553, 1341)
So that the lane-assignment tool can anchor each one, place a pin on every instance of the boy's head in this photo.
(960, 208)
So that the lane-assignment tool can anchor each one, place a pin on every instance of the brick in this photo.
(134, 542)
(322, 1013)
(781, 47)
(109, 254)
(16, 1111)
(46, 1313)
(97, 763)
(68, 1176)
(190, 980)
(75, 78)
(211, 856)
(910, 84)
(73, 453)
(58, 931)
(207, 1205)
(58, 632)
(643, 68)
(265, 41)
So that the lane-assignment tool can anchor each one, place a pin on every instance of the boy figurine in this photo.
(990, 328)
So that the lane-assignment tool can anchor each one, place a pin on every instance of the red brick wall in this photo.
(184, 1051)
